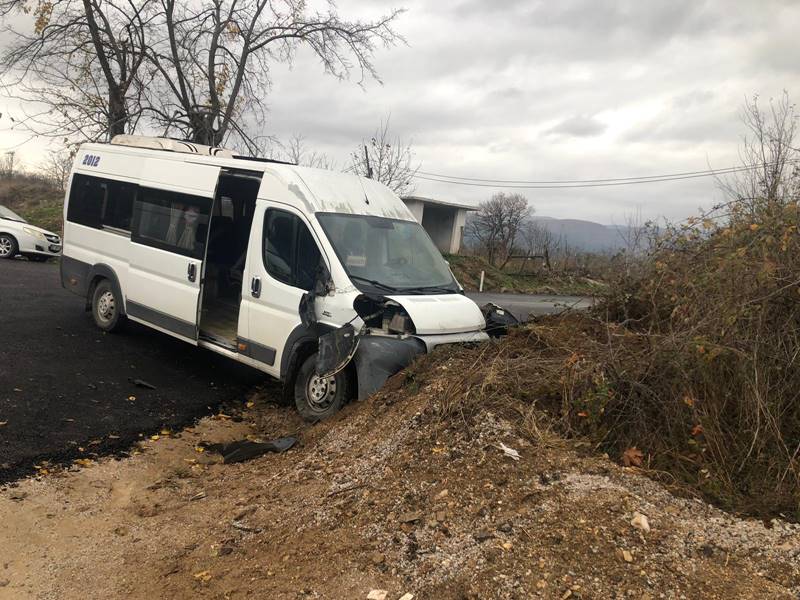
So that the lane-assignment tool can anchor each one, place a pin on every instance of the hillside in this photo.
(34, 199)
(418, 490)
(467, 270)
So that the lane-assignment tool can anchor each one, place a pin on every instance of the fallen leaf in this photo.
(155, 437)
(632, 457)
(203, 575)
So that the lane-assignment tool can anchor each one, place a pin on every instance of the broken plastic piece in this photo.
(336, 350)
(142, 384)
(243, 450)
(498, 319)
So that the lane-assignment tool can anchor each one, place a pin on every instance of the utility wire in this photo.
(580, 183)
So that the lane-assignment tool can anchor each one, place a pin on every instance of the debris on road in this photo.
(378, 595)
(243, 450)
(142, 384)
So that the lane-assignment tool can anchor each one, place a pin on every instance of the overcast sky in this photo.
(574, 89)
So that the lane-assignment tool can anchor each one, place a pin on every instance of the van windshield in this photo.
(7, 213)
(388, 255)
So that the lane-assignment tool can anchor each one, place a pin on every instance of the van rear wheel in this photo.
(106, 307)
(318, 398)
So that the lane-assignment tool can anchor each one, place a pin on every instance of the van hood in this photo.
(440, 314)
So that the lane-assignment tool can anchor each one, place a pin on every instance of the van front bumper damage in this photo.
(379, 357)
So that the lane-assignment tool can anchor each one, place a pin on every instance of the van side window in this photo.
(87, 197)
(119, 205)
(291, 254)
(171, 221)
(96, 202)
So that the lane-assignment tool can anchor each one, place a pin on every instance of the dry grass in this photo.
(693, 359)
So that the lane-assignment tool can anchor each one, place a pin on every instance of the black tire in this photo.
(316, 403)
(106, 307)
(8, 246)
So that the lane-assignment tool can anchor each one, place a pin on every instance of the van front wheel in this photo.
(318, 398)
(106, 307)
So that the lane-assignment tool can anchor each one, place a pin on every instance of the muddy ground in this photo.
(386, 496)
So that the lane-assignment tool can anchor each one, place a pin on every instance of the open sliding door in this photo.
(169, 232)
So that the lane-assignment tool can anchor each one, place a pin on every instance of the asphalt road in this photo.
(523, 306)
(65, 385)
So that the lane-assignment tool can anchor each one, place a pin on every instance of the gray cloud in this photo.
(579, 126)
(536, 89)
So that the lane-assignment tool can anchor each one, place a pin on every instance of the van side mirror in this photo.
(323, 282)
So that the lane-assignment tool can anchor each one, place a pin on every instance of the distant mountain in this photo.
(585, 235)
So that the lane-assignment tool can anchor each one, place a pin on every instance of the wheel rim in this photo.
(5, 246)
(320, 392)
(106, 307)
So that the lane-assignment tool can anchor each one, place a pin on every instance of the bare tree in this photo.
(387, 159)
(498, 224)
(538, 242)
(200, 69)
(78, 72)
(214, 58)
(57, 167)
(768, 152)
(8, 164)
(296, 150)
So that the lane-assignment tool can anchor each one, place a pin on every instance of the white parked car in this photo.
(17, 237)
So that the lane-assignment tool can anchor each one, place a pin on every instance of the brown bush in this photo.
(693, 359)
(715, 392)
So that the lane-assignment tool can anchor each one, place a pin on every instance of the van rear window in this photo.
(97, 202)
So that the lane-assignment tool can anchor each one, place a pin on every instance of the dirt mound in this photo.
(395, 494)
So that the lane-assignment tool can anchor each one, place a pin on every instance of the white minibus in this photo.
(324, 280)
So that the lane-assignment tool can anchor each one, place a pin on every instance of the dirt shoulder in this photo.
(386, 496)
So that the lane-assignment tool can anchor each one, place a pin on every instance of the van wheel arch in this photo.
(97, 274)
(301, 350)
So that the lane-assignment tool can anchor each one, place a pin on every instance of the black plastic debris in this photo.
(498, 319)
(336, 349)
(142, 384)
(242, 450)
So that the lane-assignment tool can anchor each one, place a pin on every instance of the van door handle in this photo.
(255, 287)
(191, 272)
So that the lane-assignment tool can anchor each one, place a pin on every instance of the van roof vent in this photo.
(169, 144)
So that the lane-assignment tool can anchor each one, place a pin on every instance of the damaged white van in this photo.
(321, 279)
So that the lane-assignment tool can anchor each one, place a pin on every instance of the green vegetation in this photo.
(467, 270)
(35, 199)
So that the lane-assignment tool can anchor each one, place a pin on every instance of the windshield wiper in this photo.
(377, 284)
(430, 288)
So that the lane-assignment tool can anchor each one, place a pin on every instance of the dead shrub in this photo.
(713, 393)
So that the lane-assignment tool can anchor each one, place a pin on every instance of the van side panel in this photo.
(85, 247)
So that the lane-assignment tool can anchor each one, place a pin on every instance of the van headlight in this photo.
(33, 233)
